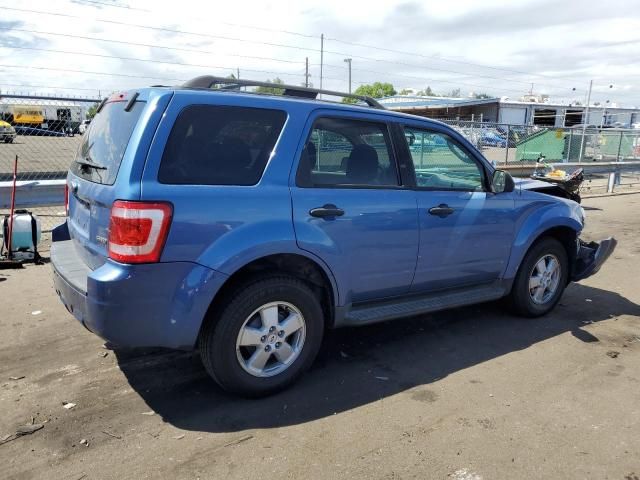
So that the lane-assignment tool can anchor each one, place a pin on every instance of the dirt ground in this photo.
(469, 394)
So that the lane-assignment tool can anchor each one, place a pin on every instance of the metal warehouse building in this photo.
(504, 110)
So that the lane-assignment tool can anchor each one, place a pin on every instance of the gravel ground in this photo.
(469, 394)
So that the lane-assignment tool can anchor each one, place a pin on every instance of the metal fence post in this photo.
(619, 147)
(611, 182)
(618, 177)
(506, 150)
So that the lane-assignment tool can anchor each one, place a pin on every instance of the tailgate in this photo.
(92, 176)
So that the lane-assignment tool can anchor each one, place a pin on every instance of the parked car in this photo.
(228, 222)
(490, 138)
(84, 125)
(7, 132)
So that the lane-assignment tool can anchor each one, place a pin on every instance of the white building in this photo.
(505, 110)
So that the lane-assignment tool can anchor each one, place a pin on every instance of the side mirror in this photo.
(502, 182)
(411, 138)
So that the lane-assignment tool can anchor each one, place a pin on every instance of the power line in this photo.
(231, 24)
(435, 57)
(184, 32)
(88, 72)
(413, 65)
(357, 44)
(228, 38)
(132, 59)
(51, 87)
(161, 29)
(123, 42)
(105, 4)
(66, 35)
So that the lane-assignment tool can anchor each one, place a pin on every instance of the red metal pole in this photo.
(13, 205)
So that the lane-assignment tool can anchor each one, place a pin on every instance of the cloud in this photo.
(493, 46)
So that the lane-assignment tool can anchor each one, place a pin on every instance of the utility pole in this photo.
(306, 72)
(348, 60)
(238, 72)
(321, 57)
(585, 120)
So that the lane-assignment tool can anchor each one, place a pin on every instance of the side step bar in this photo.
(415, 305)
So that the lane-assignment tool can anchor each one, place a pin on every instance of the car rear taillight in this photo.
(138, 230)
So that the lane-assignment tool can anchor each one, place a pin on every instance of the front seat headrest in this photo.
(362, 165)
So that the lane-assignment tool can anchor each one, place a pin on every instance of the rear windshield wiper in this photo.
(87, 163)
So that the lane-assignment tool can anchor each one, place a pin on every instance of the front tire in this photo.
(264, 338)
(541, 279)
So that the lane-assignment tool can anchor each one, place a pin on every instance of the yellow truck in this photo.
(54, 117)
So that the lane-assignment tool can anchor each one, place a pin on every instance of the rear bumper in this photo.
(591, 256)
(147, 305)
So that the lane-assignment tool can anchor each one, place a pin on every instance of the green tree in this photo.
(271, 90)
(482, 95)
(91, 112)
(405, 91)
(377, 90)
(427, 92)
(455, 93)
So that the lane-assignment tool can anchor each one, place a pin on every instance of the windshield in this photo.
(99, 156)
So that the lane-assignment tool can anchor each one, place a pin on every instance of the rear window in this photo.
(220, 145)
(103, 145)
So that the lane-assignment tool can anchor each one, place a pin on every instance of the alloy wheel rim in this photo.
(271, 339)
(544, 279)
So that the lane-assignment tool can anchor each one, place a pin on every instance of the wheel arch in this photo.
(300, 266)
(565, 234)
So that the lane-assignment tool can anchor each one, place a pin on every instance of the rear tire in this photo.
(264, 338)
(541, 279)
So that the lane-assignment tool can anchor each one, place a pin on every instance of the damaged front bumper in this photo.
(591, 256)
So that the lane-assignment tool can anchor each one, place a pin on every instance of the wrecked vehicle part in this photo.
(591, 256)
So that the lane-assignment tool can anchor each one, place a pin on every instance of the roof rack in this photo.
(209, 81)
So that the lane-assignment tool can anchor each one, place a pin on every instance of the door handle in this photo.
(328, 210)
(442, 210)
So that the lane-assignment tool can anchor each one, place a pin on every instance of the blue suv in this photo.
(244, 225)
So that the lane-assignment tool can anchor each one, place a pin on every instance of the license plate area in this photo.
(81, 218)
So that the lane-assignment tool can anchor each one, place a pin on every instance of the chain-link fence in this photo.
(513, 145)
(44, 133)
(505, 144)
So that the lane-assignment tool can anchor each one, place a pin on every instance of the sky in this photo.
(89, 48)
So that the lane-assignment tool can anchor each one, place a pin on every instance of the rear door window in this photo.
(220, 145)
(100, 154)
